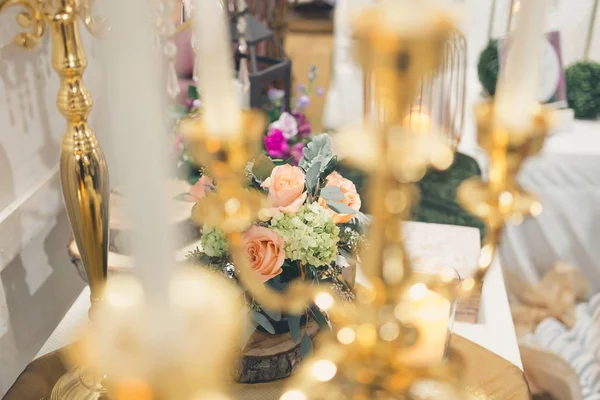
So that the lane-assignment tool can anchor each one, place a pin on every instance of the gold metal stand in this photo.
(501, 199)
(362, 357)
(83, 171)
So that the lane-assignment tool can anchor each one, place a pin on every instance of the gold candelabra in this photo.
(366, 353)
(501, 199)
(83, 171)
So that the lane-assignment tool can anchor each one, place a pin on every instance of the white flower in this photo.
(287, 124)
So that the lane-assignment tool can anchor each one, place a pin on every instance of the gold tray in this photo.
(485, 376)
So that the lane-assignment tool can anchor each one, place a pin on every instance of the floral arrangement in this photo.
(289, 132)
(314, 231)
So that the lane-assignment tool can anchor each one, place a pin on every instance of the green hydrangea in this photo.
(310, 235)
(214, 243)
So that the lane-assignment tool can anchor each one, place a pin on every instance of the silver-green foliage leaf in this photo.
(340, 208)
(318, 150)
(306, 346)
(294, 325)
(332, 193)
(263, 321)
(312, 177)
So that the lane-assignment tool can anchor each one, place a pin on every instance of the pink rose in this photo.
(265, 251)
(351, 197)
(287, 124)
(286, 188)
(204, 186)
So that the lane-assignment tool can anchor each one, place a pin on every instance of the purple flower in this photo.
(189, 103)
(302, 102)
(196, 103)
(297, 151)
(276, 94)
(320, 91)
(300, 88)
(276, 145)
(304, 128)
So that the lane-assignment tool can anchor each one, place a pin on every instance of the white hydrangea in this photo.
(310, 235)
(214, 243)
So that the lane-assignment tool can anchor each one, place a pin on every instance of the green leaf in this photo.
(274, 315)
(318, 149)
(340, 208)
(262, 167)
(306, 346)
(294, 325)
(330, 167)
(178, 109)
(332, 193)
(319, 317)
(263, 321)
(180, 197)
(312, 178)
(192, 92)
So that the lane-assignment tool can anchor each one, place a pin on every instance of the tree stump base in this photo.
(270, 357)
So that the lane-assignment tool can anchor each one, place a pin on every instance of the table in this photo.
(494, 330)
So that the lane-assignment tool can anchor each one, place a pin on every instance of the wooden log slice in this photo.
(270, 357)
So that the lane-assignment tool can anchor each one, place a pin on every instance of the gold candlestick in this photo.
(83, 171)
(364, 350)
(501, 199)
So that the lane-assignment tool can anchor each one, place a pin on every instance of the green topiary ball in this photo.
(488, 67)
(583, 89)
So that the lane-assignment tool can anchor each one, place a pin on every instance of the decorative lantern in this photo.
(262, 70)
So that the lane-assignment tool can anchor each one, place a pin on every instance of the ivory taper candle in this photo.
(517, 90)
(214, 69)
(135, 89)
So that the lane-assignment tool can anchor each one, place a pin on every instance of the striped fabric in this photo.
(579, 346)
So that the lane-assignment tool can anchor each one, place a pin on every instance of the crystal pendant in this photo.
(244, 75)
(173, 88)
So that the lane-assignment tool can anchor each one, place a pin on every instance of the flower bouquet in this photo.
(314, 231)
(287, 134)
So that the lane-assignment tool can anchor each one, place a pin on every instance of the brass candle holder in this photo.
(83, 171)
(501, 199)
(364, 356)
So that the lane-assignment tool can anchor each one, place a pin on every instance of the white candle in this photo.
(516, 94)
(214, 68)
(134, 87)
(430, 314)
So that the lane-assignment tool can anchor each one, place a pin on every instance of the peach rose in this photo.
(286, 188)
(265, 251)
(200, 189)
(351, 197)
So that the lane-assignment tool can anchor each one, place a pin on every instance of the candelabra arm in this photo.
(34, 17)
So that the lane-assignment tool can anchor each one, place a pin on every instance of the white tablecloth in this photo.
(566, 178)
